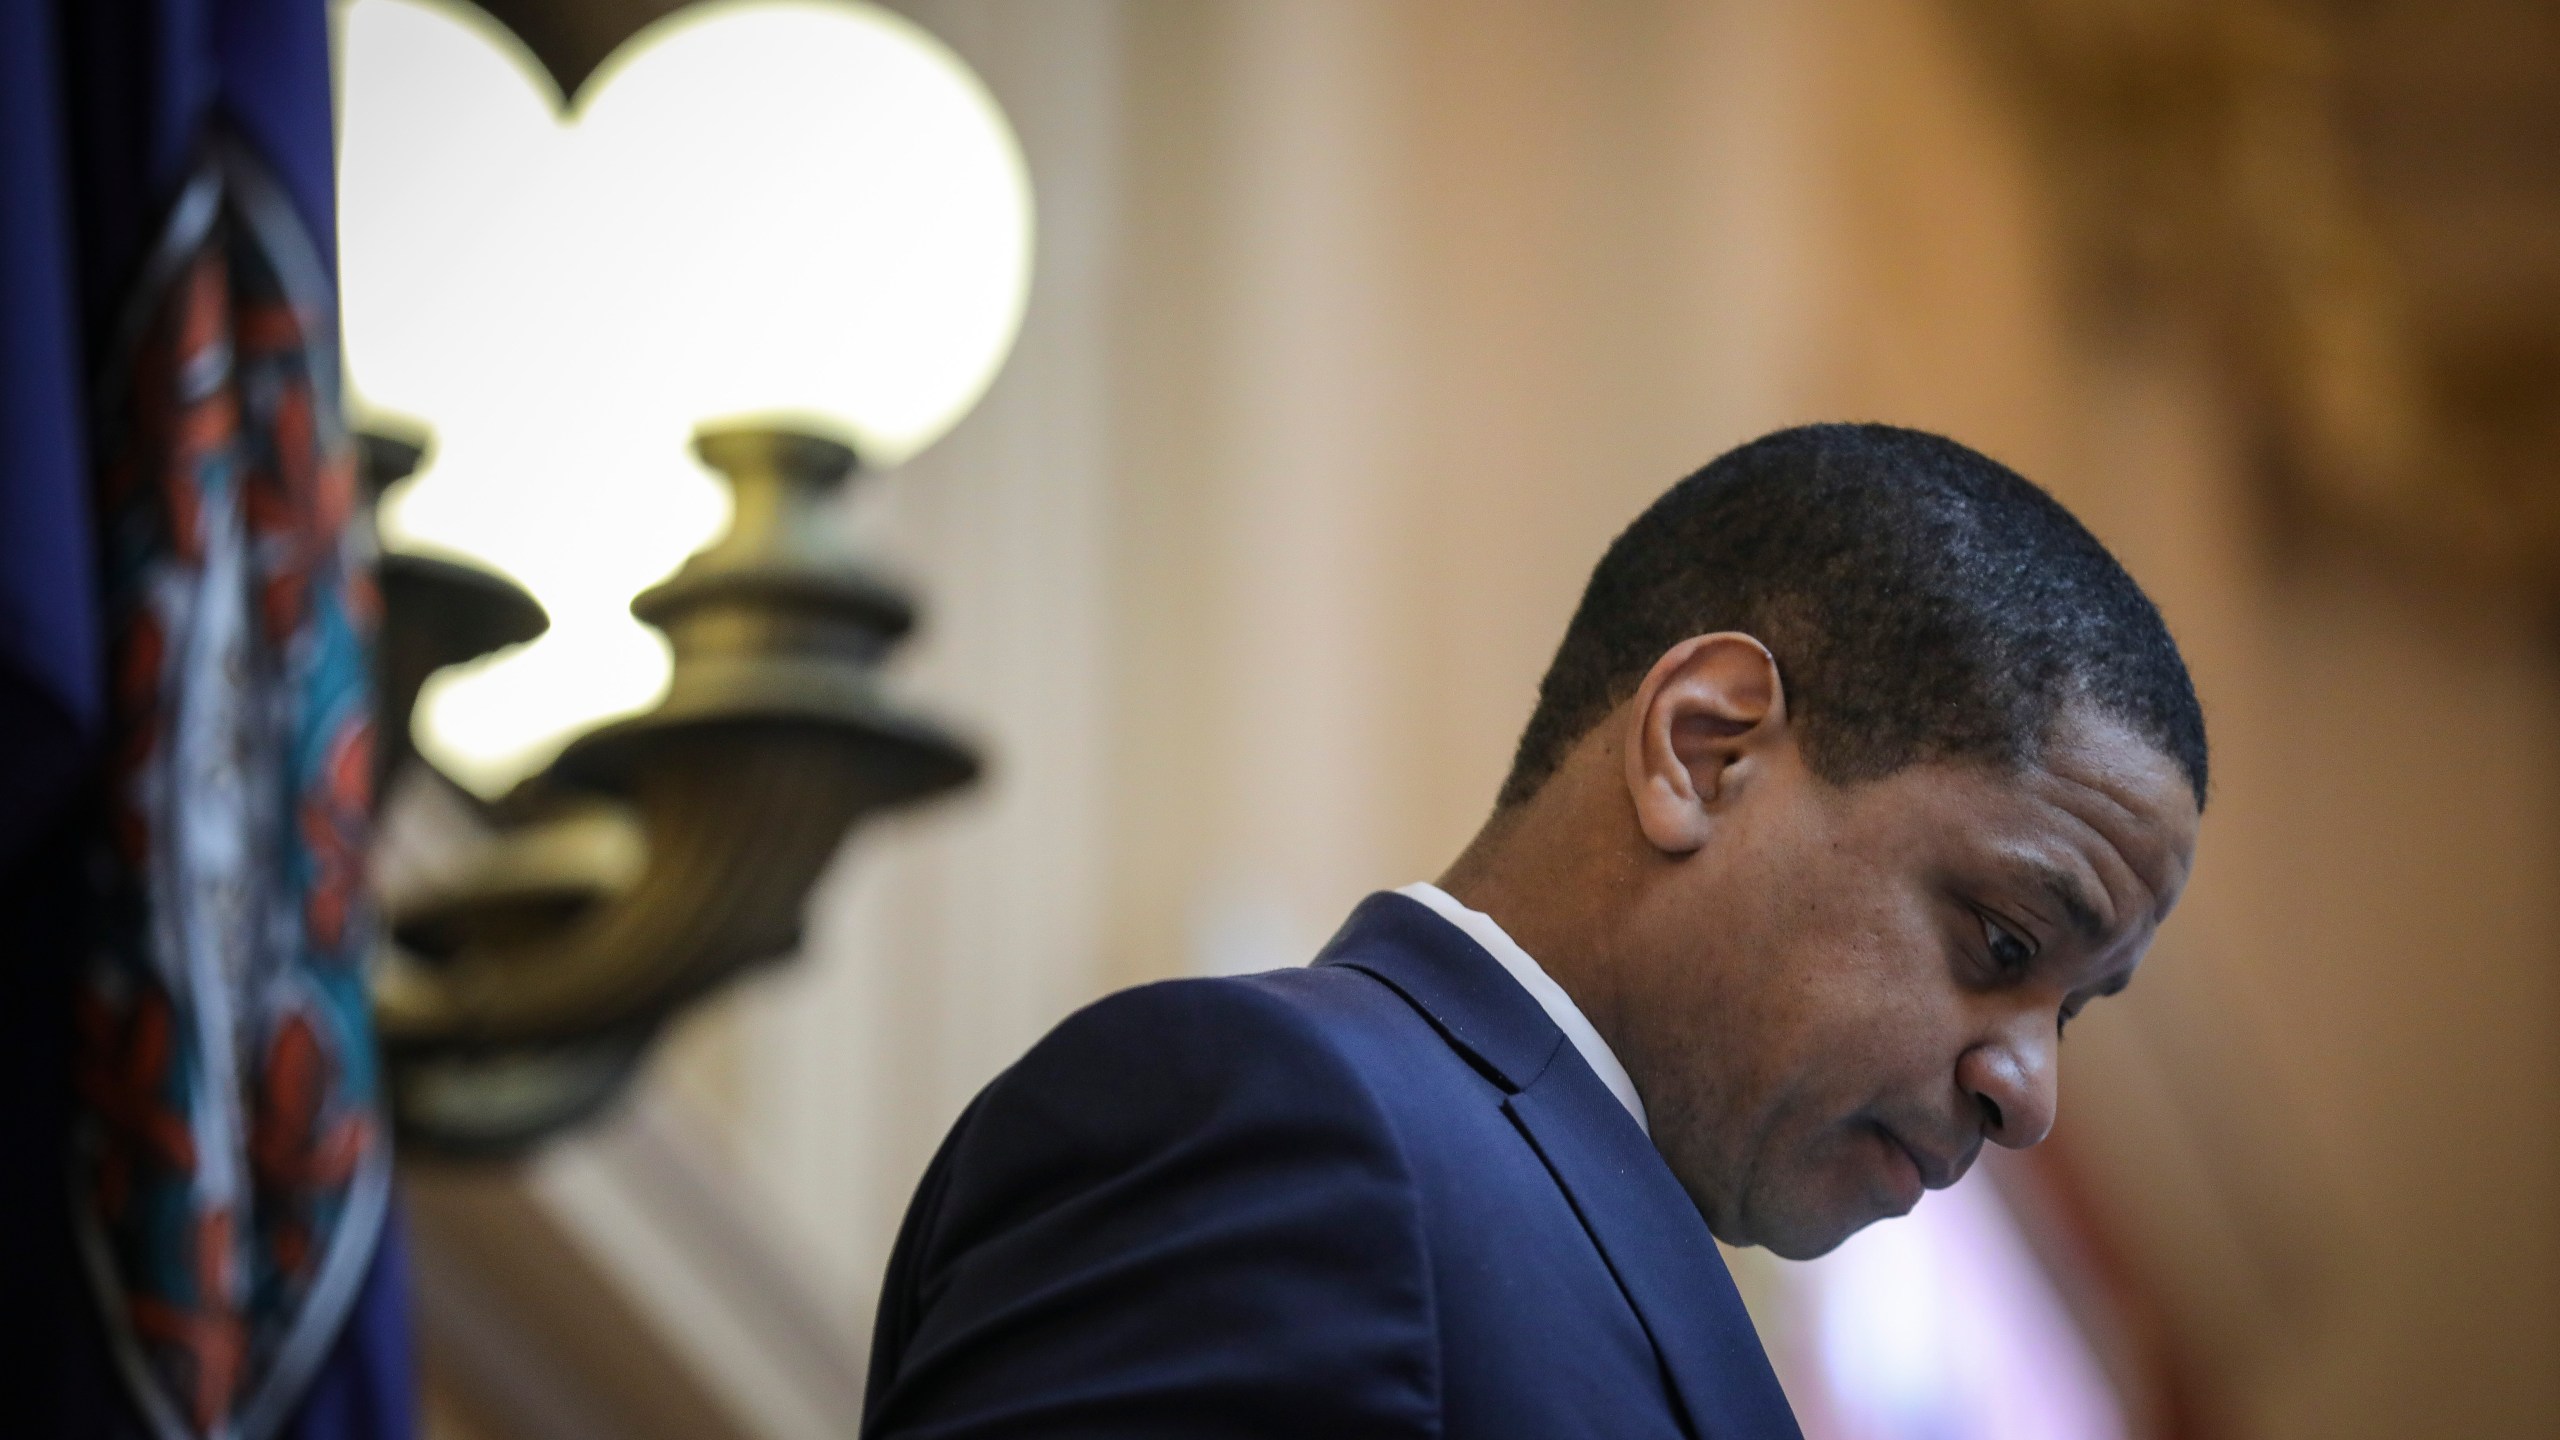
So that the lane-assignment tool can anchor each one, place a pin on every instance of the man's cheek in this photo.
(1819, 1177)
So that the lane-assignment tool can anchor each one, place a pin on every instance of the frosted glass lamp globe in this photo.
(808, 207)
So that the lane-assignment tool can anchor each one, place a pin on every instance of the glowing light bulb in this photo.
(808, 206)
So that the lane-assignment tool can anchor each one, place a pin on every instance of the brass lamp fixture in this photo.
(867, 266)
(659, 856)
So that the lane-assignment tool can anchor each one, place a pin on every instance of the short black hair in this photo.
(1923, 602)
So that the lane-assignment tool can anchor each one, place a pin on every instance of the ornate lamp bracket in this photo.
(661, 855)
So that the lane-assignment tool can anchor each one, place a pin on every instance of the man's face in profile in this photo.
(1850, 987)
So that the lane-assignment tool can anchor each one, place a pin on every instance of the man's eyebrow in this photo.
(2074, 902)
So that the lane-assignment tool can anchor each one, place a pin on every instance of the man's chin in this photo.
(1794, 1248)
(1808, 1236)
(1791, 1230)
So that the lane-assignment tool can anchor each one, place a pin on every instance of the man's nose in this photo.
(2014, 1081)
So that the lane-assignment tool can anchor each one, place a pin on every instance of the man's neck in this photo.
(1553, 898)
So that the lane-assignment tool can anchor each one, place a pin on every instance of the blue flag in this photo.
(186, 617)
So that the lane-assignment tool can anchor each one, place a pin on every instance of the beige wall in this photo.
(1358, 329)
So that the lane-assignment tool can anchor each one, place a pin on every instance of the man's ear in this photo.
(1709, 709)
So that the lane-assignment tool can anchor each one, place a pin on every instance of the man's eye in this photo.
(2008, 951)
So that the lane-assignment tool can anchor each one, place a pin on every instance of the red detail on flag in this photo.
(125, 1071)
(206, 1339)
(334, 830)
(294, 1152)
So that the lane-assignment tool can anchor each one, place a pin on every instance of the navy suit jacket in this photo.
(1380, 1196)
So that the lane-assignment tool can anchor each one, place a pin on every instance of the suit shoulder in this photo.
(1308, 1006)
(1297, 1032)
(1182, 1213)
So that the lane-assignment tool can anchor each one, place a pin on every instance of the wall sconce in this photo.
(803, 206)
(662, 854)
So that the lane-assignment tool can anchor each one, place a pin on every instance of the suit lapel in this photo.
(1643, 1223)
(1659, 1249)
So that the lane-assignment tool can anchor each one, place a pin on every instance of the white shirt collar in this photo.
(1542, 988)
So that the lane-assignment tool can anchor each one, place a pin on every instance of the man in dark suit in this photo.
(1861, 769)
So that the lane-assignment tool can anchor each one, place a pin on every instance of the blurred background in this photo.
(1353, 331)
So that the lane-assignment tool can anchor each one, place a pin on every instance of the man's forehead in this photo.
(2112, 804)
(2082, 826)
